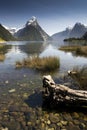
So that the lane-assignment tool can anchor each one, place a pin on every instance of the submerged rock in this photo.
(11, 90)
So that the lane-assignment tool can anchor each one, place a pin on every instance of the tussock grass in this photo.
(2, 57)
(42, 64)
(2, 40)
(81, 76)
(79, 50)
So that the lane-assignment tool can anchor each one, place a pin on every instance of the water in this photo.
(21, 50)
(22, 108)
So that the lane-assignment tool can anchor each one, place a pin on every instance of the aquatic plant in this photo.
(79, 50)
(80, 76)
(43, 64)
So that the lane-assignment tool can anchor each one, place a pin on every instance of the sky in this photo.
(52, 15)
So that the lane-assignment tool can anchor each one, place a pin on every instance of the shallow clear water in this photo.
(20, 90)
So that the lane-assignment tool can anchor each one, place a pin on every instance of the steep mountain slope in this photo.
(32, 32)
(84, 36)
(61, 35)
(5, 34)
(76, 32)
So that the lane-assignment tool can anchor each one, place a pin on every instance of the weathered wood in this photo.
(58, 93)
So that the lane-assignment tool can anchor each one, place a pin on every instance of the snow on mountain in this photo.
(33, 21)
(32, 31)
(11, 30)
(76, 31)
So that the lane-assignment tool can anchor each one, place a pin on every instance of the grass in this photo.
(79, 50)
(1, 40)
(81, 76)
(2, 57)
(42, 64)
(4, 48)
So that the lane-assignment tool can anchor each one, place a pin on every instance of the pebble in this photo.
(4, 128)
(76, 122)
(6, 82)
(64, 122)
(60, 124)
(29, 123)
(68, 117)
(85, 118)
(24, 76)
(12, 90)
(48, 122)
(75, 115)
(25, 95)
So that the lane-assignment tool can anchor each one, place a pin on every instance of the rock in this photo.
(54, 119)
(75, 115)
(63, 129)
(64, 122)
(76, 122)
(67, 117)
(29, 123)
(42, 125)
(6, 82)
(25, 95)
(85, 118)
(71, 126)
(4, 128)
(48, 122)
(11, 90)
(51, 129)
(59, 124)
(82, 126)
(25, 76)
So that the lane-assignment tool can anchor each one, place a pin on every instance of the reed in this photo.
(42, 64)
(80, 76)
(79, 50)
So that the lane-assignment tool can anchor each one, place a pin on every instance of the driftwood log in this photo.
(60, 94)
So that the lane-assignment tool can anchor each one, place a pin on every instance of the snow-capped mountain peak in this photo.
(32, 21)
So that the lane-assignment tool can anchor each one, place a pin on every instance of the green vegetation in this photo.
(79, 50)
(80, 77)
(4, 48)
(72, 39)
(76, 41)
(1, 40)
(42, 64)
(5, 34)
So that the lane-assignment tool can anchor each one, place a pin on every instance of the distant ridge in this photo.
(77, 31)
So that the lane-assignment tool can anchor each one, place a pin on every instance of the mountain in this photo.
(84, 36)
(5, 34)
(12, 30)
(61, 35)
(32, 32)
(77, 31)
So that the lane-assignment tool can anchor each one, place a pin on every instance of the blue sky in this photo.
(52, 15)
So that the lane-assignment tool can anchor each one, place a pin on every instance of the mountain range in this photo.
(32, 31)
(77, 31)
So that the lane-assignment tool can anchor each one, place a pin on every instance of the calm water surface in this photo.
(21, 50)
(20, 90)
